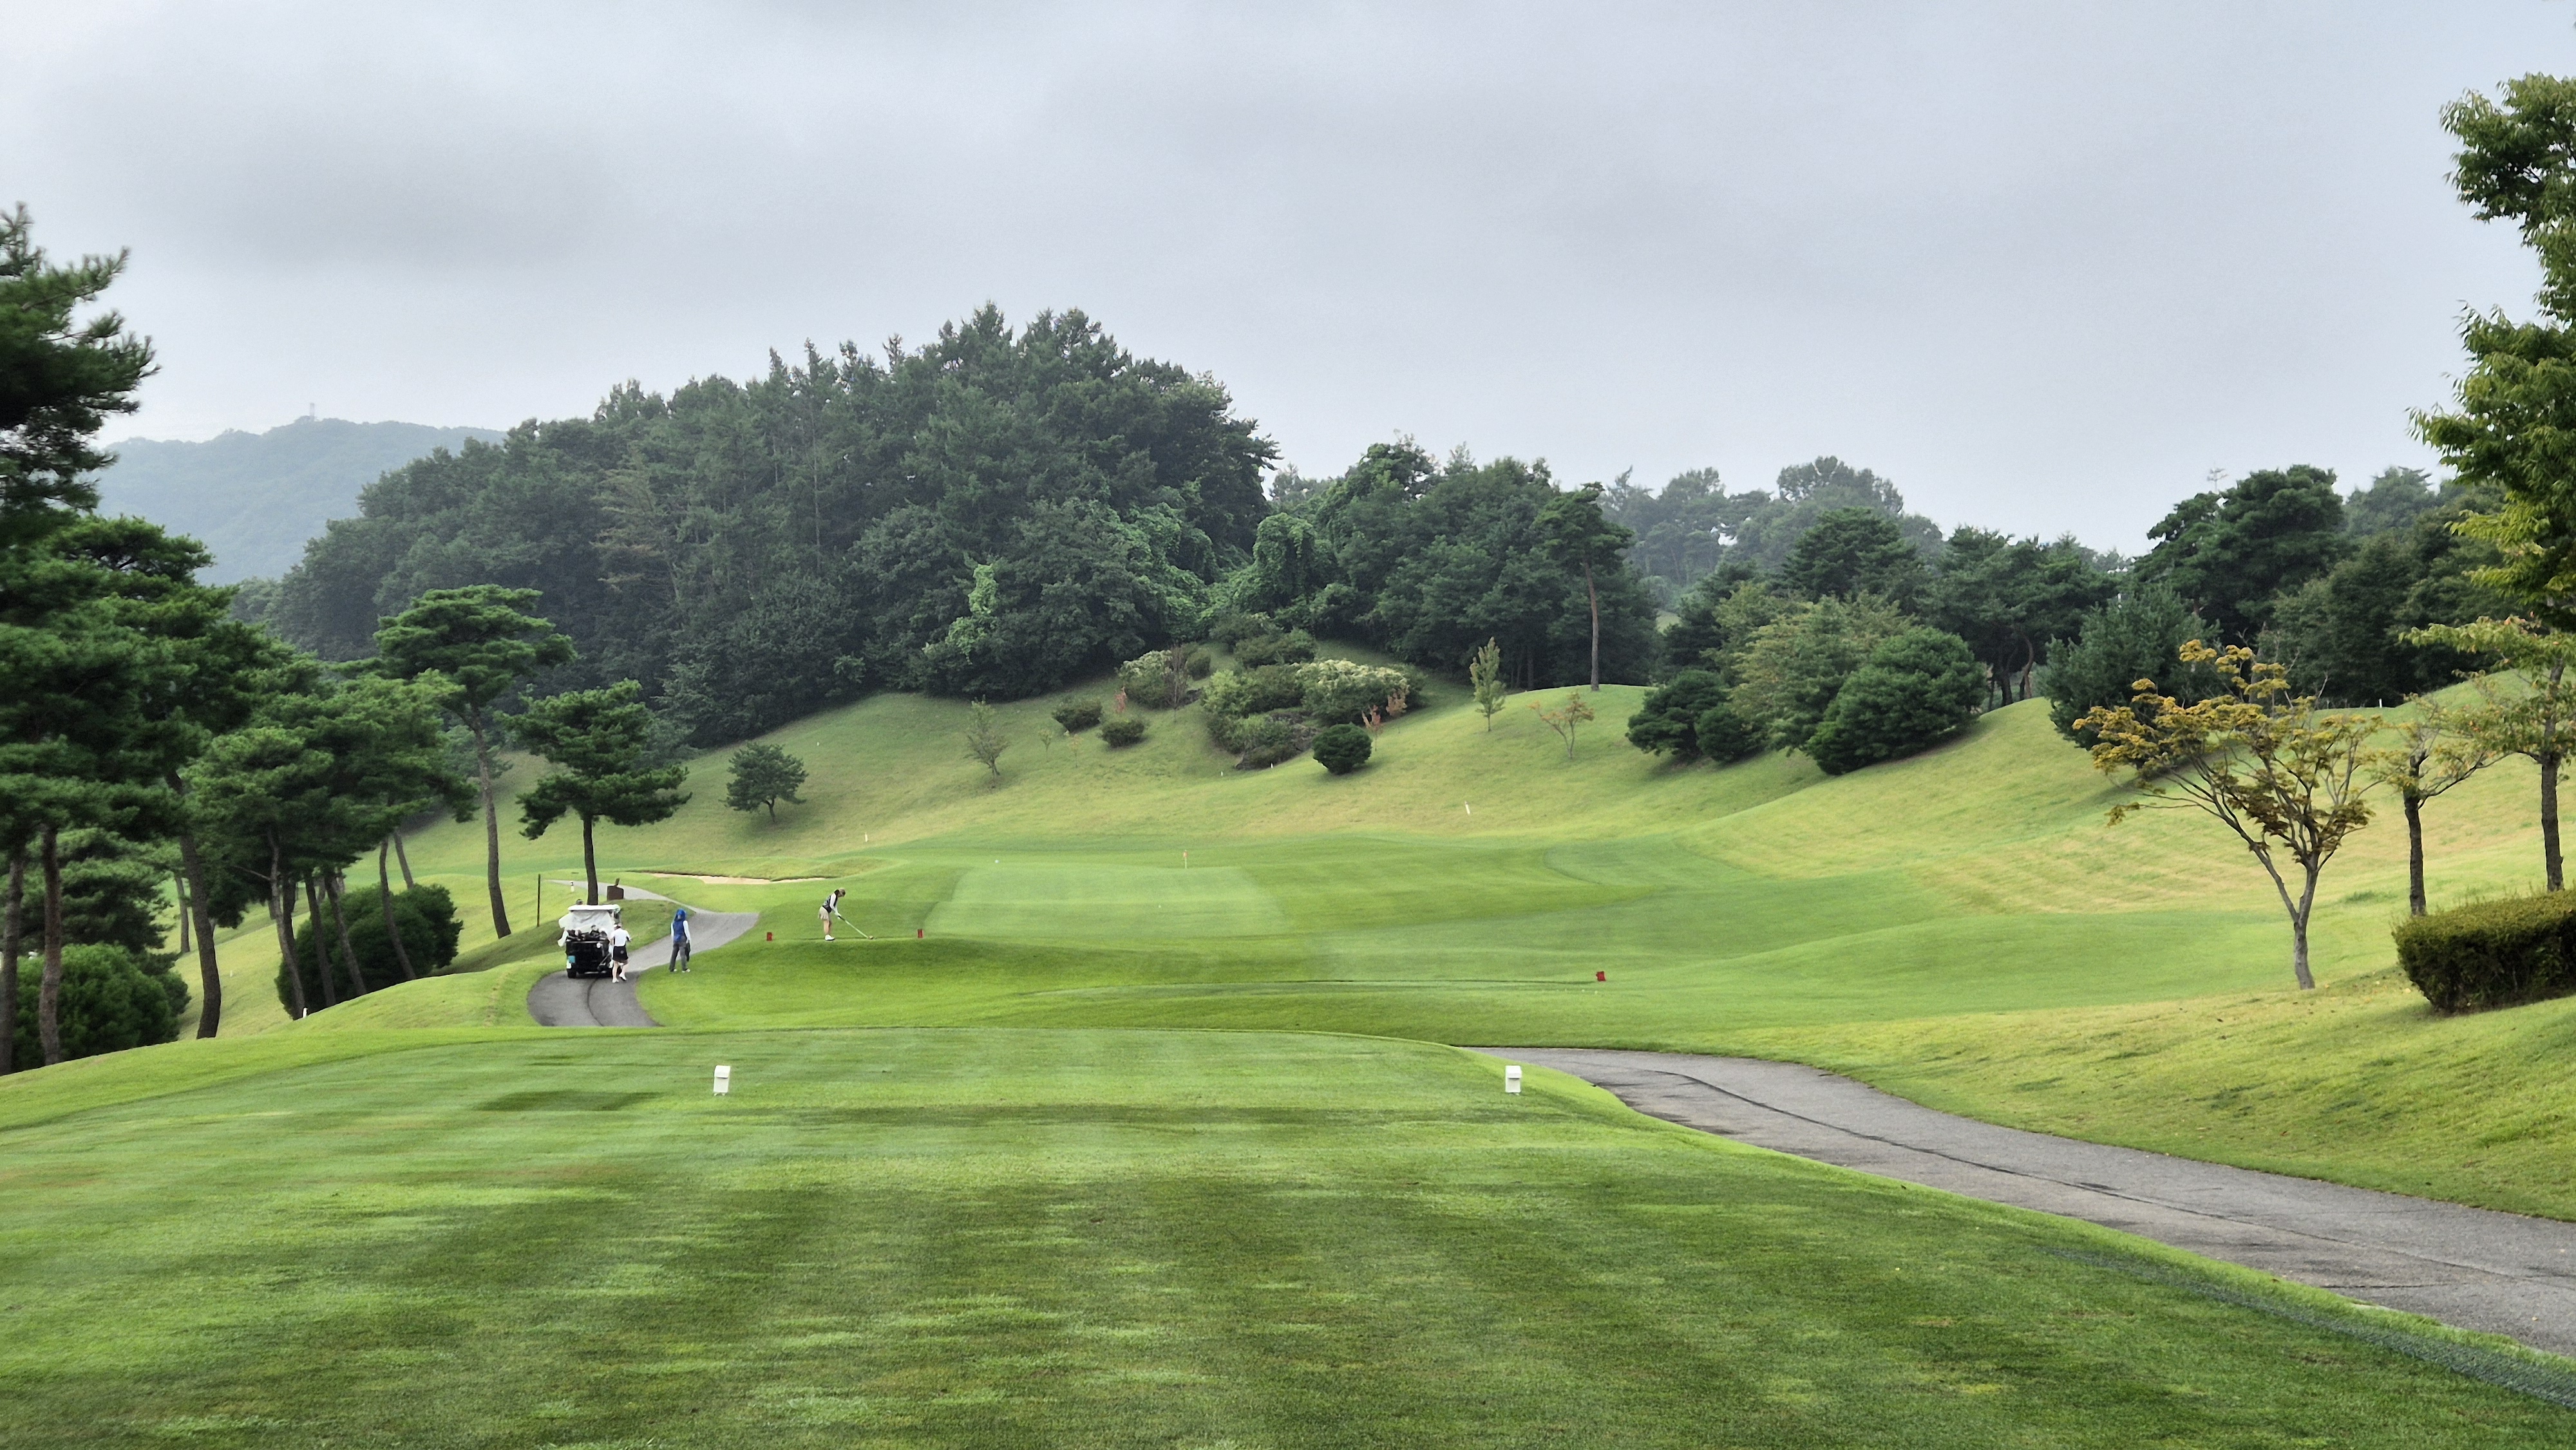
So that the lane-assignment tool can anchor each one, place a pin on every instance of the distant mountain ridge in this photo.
(254, 498)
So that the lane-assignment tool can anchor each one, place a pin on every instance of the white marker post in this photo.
(1511, 1080)
(724, 1081)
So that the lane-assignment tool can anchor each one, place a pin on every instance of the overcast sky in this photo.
(2044, 264)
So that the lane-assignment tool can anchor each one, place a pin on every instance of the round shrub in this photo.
(1914, 691)
(1198, 661)
(1077, 716)
(111, 1001)
(426, 916)
(1124, 731)
(2492, 953)
(1342, 749)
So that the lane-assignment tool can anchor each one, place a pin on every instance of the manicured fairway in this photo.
(1078, 1238)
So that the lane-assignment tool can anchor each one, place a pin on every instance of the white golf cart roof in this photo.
(591, 918)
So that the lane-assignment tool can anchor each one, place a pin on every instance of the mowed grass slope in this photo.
(996, 1238)
(1468, 885)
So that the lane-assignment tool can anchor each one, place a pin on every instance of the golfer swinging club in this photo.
(831, 909)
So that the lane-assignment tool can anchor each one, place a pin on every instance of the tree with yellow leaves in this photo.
(2261, 761)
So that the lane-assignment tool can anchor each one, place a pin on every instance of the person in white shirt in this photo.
(617, 940)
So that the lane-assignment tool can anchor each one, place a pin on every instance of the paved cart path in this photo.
(2469, 1267)
(558, 1000)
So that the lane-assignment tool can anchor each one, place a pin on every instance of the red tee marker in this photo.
(1601, 976)
(916, 933)
(769, 936)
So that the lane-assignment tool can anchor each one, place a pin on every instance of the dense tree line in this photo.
(992, 514)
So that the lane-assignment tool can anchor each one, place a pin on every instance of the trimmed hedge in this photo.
(2493, 953)
(1077, 716)
(1124, 731)
(1342, 749)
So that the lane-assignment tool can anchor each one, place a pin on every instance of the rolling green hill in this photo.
(918, 1219)
(1468, 885)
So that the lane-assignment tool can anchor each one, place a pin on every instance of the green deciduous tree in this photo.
(2288, 780)
(2533, 716)
(2434, 752)
(1913, 692)
(762, 775)
(601, 742)
(985, 741)
(473, 646)
(1485, 681)
(1788, 672)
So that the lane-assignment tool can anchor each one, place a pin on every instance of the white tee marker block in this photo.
(724, 1081)
(1511, 1080)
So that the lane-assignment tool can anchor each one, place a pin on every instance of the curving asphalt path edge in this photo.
(559, 1000)
(2472, 1268)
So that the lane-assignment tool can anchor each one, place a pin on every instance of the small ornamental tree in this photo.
(1564, 718)
(601, 738)
(1915, 690)
(763, 775)
(2537, 721)
(1342, 749)
(1668, 721)
(2433, 753)
(2261, 762)
(1485, 678)
(985, 741)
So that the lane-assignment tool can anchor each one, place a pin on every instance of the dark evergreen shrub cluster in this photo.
(426, 916)
(1077, 716)
(2493, 953)
(112, 999)
(1123, 731)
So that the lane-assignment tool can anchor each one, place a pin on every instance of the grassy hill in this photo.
(417, 1216)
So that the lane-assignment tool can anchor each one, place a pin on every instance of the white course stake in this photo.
(1511, 1080)
(724, 1082)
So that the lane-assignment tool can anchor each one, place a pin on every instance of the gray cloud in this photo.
(2044, 264)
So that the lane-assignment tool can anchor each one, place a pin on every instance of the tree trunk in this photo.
(179, 888)
(321, 944)
(2550, 858)
(11, 914)
(491, 826)
(403, 859)
(2414, 854)
(1595, 596)
(340, 924)
(49, 993)
(385, 896)
(2299, 933)
(281, 915)
(589, 861)
(192, 870)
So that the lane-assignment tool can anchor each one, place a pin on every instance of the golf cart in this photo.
(585, 939)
